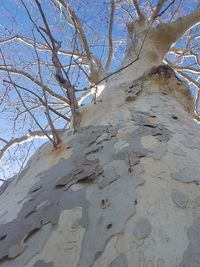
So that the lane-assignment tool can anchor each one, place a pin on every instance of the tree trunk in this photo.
(123, 191)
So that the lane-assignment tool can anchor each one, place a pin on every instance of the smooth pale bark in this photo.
(150, 44)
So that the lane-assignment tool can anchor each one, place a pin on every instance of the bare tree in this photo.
(114, 88)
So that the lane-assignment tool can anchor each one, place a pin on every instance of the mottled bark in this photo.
(124, 191)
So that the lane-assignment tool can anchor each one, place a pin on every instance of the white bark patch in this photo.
(63, 247)
(149, 141)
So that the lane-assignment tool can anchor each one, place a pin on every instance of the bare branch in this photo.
(166, 34)
(139, 12)
(38, 46)
(94, 64)
(81, 33)
(24, 104)
(39, 98)
(127, 11)
(63, 82)
(28, 137)
(47, 112)
(188, 21)
(110, 54)
(34, 80)
(162, 12)
(180, 26)
(3, 140)
(158, 8)
(79, 28)
(190, 69)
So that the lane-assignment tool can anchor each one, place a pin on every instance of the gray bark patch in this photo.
(85, 171)
(191, 257)
(4, 186)
(150, 128)
(187, 175)
(108, 177)
(180, 199)
(103, 223)
(142, 229)
(33, 246)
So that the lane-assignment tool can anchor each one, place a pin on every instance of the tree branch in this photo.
(45, 103)
(139, 12)
(63, 82)
(37, 45)
(161, 13)
(110, 55)
(34, 80)
(188, 21)
(185, 68)
(157, 9)
(81, 33)
(24, 104)
(78, 26)
(166, 34)
(28, 137)
(94, 64)
(4, 140)
(39, 98)
(180, 26)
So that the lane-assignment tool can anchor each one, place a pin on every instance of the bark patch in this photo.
(180, 199)
(191, 257)
(142, 229)
(187, 175)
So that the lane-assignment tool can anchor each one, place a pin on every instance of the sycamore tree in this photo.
(57, 55)
(113, 86)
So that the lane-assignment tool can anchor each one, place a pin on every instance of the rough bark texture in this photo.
(123, 191)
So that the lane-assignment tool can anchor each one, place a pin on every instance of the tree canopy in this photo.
(57, 55)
